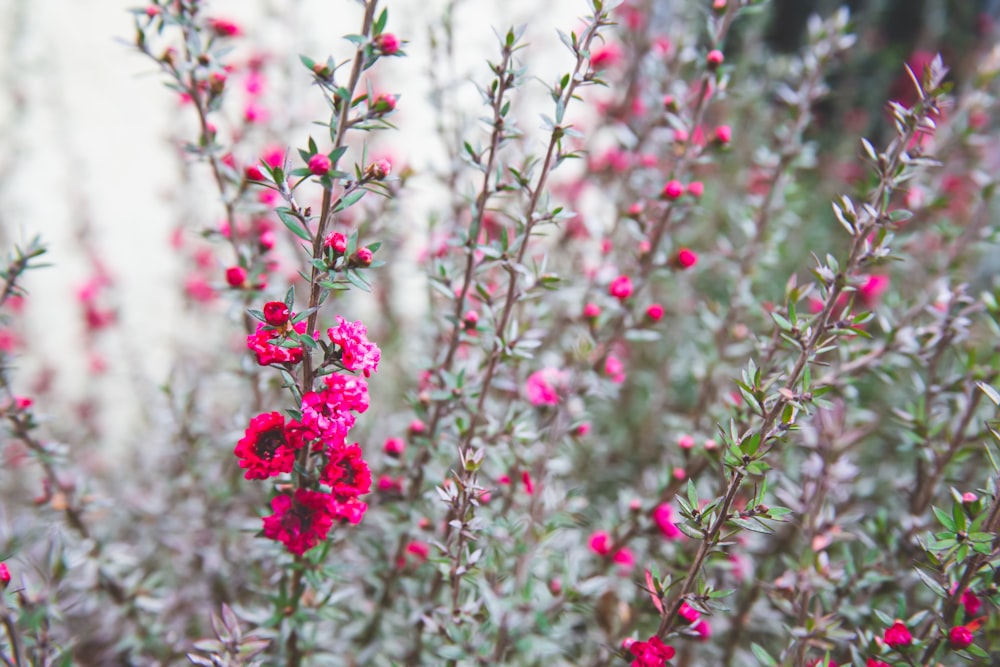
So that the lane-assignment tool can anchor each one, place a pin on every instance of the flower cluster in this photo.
(652, 653)
(270, 447)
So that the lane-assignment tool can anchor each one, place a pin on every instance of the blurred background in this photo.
(90, 157)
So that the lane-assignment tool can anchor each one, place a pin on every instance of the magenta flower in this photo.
(300, 522)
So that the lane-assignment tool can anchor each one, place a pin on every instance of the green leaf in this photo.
(349, 200)
(293, 224)
(943, 517)
(763, 657)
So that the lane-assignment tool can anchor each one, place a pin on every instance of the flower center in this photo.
(269, 441)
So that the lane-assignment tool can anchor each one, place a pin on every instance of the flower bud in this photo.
(673, 190)
(387, 43)
(236, 276)
(362, 257)
(685, 259)
(337, 241)
(714, 59)
(276, 313)
(319, 164)
(378, 170)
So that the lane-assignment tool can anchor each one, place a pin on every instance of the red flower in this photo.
(269, 445)
(960, 637)
(872, 662)
(898, 635)
(268, 352)
(357, 353)
(4, 576)
(346, 473)
(652, 653)
(300, 522)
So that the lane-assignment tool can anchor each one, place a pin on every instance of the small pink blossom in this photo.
(620, 288)
(543, 386)
(662, 518)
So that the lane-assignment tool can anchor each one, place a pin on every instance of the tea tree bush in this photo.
(655, 380)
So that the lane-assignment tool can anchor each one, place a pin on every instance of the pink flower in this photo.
(872, 662)
(328, 413)
(871, 292)
(898, 635)
(543, 386)
(661, 517)
(605, 56)
(621, 288)
(723, 134)
(268, 446)
(337, 241)
(688, 613)
(383, 103)
(624, 558)
(654, 312)
(357, 352)
(591, 311)
(529, 485)
(272, 346)
(971, 602)
(614, 369)
(362, 257)
(685, 258)
(652, 653)
(685, 441)
(236, 276)
(704, 631)
(300, 522)
(198, 289)
(319, 164)
(714, 58)
(346, 473)
(960, 637)
(387, 43)
(673, 190)
(394, 447)
(600, 543)
(254, 113)
(225, 28)
(696, 189)
(419, 550)
(4, 576)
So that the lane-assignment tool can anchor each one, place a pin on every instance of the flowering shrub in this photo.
(653, 401)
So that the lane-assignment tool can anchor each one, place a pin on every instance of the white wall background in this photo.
(84, 126)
